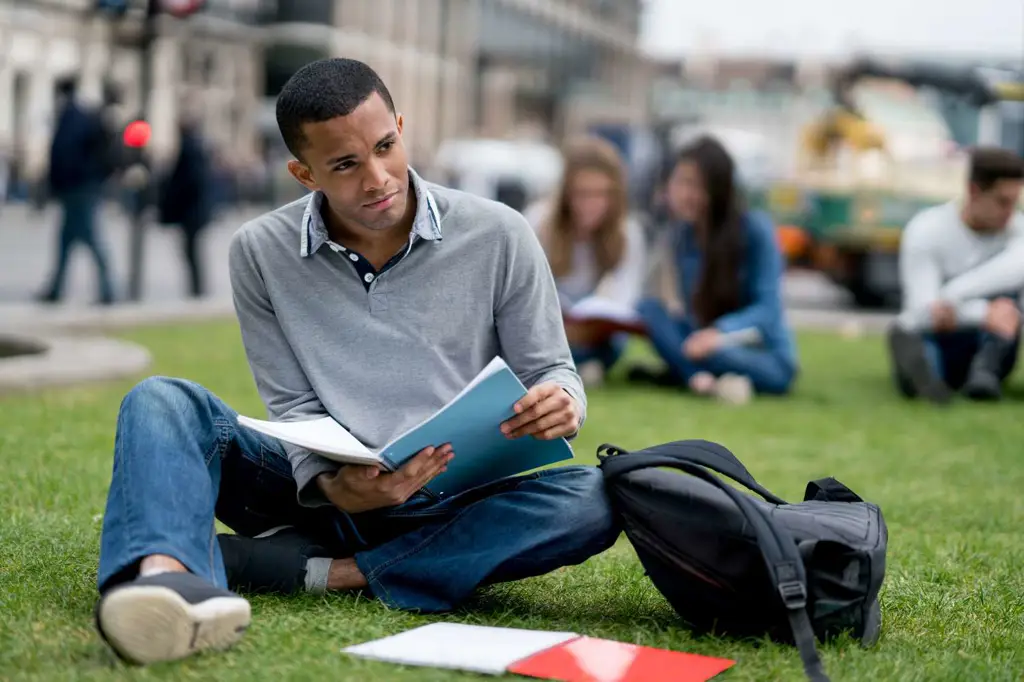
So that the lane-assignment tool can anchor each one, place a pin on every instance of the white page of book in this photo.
(323, 436)
(595, 307)
(475, 648)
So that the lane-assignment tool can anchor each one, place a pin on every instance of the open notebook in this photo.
(606, 312)
(470, 421)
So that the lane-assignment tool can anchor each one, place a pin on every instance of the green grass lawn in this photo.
(949, 481)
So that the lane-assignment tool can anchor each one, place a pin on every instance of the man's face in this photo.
(990, 210)
(359, 163)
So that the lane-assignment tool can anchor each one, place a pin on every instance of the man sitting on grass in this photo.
(962, 275)
(375, 300)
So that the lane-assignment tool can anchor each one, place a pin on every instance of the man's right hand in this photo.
(943, 317)
(354, 489)
(1003, 318)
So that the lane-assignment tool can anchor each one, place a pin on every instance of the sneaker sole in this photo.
(150, 624)
(909, 353)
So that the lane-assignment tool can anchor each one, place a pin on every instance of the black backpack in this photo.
(733, 564)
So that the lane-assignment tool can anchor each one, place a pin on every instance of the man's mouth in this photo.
(383, 203)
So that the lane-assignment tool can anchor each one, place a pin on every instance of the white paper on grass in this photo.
(474, 648)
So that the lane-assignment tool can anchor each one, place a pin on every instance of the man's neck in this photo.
(372, 244)
(966, 219)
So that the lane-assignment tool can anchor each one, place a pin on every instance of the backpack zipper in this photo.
(689, 566)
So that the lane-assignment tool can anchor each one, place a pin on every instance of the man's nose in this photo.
(376, 175)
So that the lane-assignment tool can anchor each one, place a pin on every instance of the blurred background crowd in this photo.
(160, 113)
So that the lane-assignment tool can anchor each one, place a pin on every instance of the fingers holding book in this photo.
(546, 412)
(354, 489)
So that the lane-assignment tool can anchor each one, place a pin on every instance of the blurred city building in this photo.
(210, 61)
(463, 67)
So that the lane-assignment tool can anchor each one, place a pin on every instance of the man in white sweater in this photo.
(962, 276)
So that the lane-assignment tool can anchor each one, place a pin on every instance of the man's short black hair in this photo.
(323, 90)
(989, 165)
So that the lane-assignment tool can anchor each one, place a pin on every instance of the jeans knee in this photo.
(586, 509)
(159, 397)
(649, 306)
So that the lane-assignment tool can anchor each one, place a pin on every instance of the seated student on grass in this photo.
(595, 248)
(962, 277)
(374, 300)
(717, 320)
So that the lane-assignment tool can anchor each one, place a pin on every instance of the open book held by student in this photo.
(471, 422)
(605, 313)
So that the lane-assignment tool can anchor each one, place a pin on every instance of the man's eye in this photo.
(344, 166)
(386, 146)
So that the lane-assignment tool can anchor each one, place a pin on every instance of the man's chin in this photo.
(380, 221)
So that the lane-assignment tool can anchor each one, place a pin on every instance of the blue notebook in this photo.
(470, 421)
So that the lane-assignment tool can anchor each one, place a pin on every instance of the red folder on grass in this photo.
(587, 659)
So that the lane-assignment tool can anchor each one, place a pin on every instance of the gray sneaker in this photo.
(169, 616)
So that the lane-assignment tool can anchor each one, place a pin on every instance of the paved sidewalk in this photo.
(28, 243)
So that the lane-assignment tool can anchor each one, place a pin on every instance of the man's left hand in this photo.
(546, 412)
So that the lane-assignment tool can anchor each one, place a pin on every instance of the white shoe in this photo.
(733, 389)
(168, 616)
(592, 373)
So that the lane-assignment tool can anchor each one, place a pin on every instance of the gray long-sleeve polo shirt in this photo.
(381, 352)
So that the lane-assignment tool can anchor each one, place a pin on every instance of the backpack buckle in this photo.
(794, 594)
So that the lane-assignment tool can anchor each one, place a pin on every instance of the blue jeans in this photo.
(768, 372)
(79, 225)
(180, 459)
(607, 353)
(950, 356)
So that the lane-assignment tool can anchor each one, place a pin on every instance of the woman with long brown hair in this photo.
(594, 247)
(718, 322)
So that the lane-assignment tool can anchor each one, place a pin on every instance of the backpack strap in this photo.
(778, 548)
(702, 452)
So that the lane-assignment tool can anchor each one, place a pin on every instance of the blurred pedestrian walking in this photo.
(78, 169)
(187, 197)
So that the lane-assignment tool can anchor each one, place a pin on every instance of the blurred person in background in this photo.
(962, 278)
(79, 166)
(717, 319)
(188, 195)
(5, 175)
(594, 248)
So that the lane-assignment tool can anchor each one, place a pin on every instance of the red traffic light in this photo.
(137, 134)
(182, 8)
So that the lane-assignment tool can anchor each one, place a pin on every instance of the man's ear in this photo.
(303, 174)
(973, 191)
(400, 120)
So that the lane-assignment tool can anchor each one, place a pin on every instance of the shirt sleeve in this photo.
(920, 275)
(1003, 275)
(280, 379)
(528, 316)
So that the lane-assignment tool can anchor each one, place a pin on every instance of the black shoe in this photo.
(168, 616)
(652, 377)
(273, 563)
(908, 353)
(983, 385)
